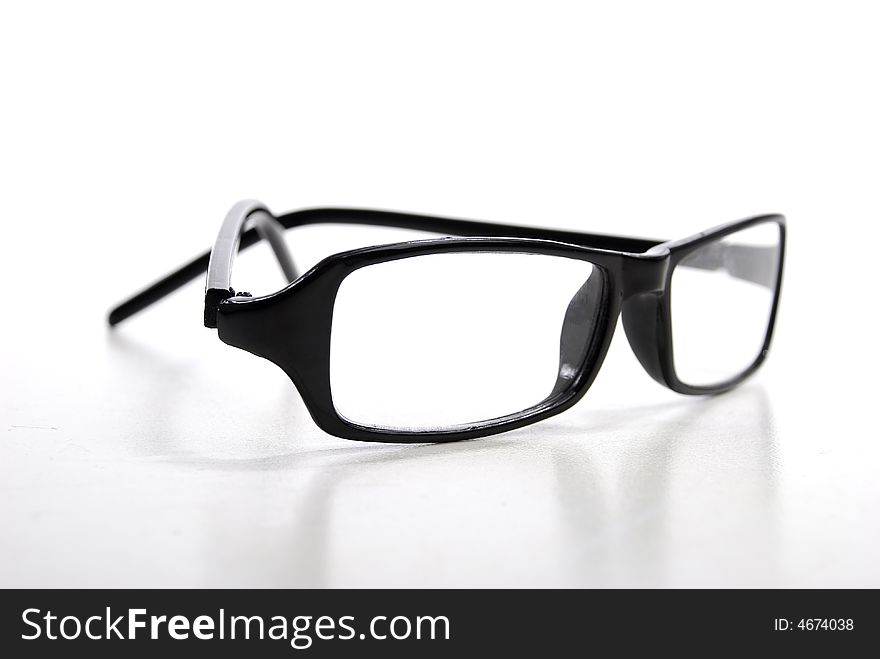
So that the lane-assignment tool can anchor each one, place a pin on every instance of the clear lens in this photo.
(444, 341)
(722, 298)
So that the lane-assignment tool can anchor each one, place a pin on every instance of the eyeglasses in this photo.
(493, 329)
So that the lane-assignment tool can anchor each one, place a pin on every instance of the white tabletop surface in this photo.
(154, 455)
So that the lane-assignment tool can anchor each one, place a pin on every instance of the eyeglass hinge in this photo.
(213, 298)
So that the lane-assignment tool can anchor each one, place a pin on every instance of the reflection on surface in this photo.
(677, 492)
(673, 493)
(691, 498)
(179, 462)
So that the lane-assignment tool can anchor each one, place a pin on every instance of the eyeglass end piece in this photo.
(213, 298)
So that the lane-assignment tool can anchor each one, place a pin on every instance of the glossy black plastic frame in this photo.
(292, 327)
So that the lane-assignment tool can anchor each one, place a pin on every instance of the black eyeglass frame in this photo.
(292, 327)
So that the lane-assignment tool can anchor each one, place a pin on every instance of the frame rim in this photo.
(328, 275)
(678, 250)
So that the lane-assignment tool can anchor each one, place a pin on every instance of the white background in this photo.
(154, 455)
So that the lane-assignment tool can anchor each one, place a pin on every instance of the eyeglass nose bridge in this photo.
(644, 309)
(580, 329)
(632, 286)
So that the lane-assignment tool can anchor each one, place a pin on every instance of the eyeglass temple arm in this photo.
(748, 262)
(233, 237)
(219, 283)
(233, 233)
(758, 264)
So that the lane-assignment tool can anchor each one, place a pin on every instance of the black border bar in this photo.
(519, 622)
